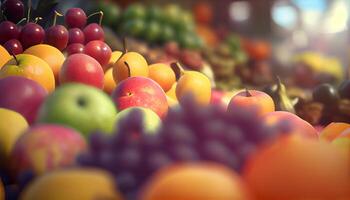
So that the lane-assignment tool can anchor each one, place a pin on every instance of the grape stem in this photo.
(247, 93)
(29, 10)
(14, 56)
(127, 66)
(22, 20)
(97, 13)
(57, 14)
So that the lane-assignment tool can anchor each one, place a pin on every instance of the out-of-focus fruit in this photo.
(75, 18)
(21, 95)
(79, 106)
(192, 59)
(31, 67)
(333, 130)
(153, 31)
(13, 10)
(325, 94)
(172, 91)
(163, 75)
(344, 89)
(203, 13)
(98, 50)
(111, 12)
(254, 99)
(31, 34)
(222, 98)
(257, 50)
(298, 125)
(150, 120)
(280, 97)
(195, 84)
(82, 68)
(8, 31)
(134, 11)
(298, 168)
(114, 57)
(143, 92)
(12, 126)
(135, 27)
(2, 192)
(49, 54)
(109, 83)
(72, 184)
(194, 181)
(14, 46)
(128, 65)
(4, 56)
(46, 147)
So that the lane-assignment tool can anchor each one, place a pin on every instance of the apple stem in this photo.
(97, 13)
(14, 56)
(125, 47)
(177, 69)
(37, 19)
(57, 14)
(247, 93)
(22, 20)
(29, 10)
(129, 70)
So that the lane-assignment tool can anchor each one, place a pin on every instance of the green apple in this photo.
(153, 31)
(154, 12)
(167, 33)
(134, 27)
(151, 121)
(111, 12)
(79, 106)
(134, 11)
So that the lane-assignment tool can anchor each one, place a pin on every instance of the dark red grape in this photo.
(14, 46)
(98, 50)
(75, 18)
(31, 35)
(57, 36)
(8, 31)
(326, 94)
(92, 32)
(76, 35)
(74, 48)
(13, 10)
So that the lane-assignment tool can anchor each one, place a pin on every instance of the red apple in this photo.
(221, 98)
(143, 92)
(255, 99)
(82, 68)
(21, 95)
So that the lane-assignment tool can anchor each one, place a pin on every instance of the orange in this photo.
(109, 83)
(31, 67)
(333, 130)
(49, 54)
(163, 75)
(172, 92)
(137, 64)
(114, 58)
(4, 56)
(194, 181)
(299, 168)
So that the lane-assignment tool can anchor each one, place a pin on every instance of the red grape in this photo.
(75, 18)
(76, 35)
(57, 36)
(93, 32)
(31, 34)
(98, 50)
(13, 10)
(74, 48)
(8, 31)
(13, 46)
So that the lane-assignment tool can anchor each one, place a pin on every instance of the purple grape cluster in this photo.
(188, 134)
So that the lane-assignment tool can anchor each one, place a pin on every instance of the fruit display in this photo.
(104, 101)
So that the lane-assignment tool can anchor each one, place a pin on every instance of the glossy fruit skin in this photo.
(143, 92)
(57, 36)
(75, 48)
(13, 10)
(163, 75)
(92, 32)
(4, 56)
(8, 31)
(14, 46)
(325, 94)
(82, 68)
(344, 89)
(109, 83)
(76, 35)
(82, 107)
(75, 18)
(31, 34)
(333, 130)
(98, 50)
(21, 95)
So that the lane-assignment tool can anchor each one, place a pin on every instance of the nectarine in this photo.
(128, 65)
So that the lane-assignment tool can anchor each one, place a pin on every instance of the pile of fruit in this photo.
(80, 121)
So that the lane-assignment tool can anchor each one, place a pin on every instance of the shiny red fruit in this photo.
(93, 32)
(57, 36)
(75, 48)
(14, 46)
(98, 50)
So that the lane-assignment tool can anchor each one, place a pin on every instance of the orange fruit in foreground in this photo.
(333, 130)
(296, 168)
(137, 64)
(195, 181)
(109, 83)
(49, 54)
(31, 67)
(4, 56)
(163, 75)
(114, 57)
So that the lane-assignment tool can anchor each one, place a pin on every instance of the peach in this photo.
(128, 65)
(333, 130)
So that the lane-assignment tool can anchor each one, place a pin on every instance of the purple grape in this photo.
(8, 31)
(75, 18)
(57, 36)
(31, 35)
(13, 10)
(92, 32)
(14, 46)
(76, 35)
